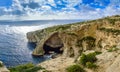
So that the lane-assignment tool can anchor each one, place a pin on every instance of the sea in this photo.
(14, 46)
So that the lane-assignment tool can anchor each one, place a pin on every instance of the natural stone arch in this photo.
(53, 44)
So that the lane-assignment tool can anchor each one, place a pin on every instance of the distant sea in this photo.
(14, 47)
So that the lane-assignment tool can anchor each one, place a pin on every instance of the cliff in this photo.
(73, 39)
(3, 68)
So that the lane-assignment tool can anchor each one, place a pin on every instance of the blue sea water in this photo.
(14, 46)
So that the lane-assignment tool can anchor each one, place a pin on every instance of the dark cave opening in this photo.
(53, 44)
(31, 45)
(49, 50)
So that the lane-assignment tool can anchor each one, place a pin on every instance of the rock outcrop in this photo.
(3, 68)
(108, 61)
(115, 66)
(58, 64)
(73, 39)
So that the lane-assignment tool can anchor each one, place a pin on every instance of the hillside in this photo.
(72, 40)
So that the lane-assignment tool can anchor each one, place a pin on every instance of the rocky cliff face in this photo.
(108, 61)
(3, 68)
(75, 38)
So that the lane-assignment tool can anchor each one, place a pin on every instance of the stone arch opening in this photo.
(53, 44)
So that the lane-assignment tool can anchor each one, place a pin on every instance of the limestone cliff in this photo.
(3, 68)
(73, 39)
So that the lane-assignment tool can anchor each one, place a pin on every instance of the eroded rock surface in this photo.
(3, 68)
(57, 65)
(73, 39)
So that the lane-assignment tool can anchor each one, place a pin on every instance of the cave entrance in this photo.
(49, 50)
(53, 44)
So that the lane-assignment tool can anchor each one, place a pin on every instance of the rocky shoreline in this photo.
(3, 67)
(68, 43)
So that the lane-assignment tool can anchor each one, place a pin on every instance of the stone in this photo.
(3, 68)
(74, 39)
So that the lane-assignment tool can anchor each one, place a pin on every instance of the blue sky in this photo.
(58, 9)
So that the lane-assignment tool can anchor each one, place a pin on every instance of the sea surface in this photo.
(14, 46)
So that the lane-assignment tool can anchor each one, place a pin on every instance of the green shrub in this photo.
(75, 68)
(113, 48)
(25, 68)
(91, 57)
(117, 15)
(98, 52)
(33, 69)
(88, 38)
(73, 34)
(21, 68)
(83, 59)
(90, 65)
(1, 65)
(110, 50)
(111, 30)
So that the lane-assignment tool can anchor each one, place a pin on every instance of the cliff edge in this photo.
(73, 39)
(3, 68)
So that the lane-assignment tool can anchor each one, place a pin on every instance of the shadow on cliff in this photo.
(31, 45)
(49, 49)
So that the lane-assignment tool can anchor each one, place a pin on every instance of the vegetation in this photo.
(90, 65)
(75, 68)
(68, 26)
(90, 41)
(57, 28)
(79, 43)
(85, 60)
(44, 32)
(112, 21)
(113, 48)
(25, 68)
(88, 38)
(110, 30)
(117, 16)
(98, 52)
(1, 64)
(72, 34)
(88, 60)
(91, 57)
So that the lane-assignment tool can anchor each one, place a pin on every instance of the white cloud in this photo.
(17, 5)
(102, 2)
(24, 1)
(42, 12)
(72, 3)
(115, 2)
(51, 2)
(46, 7)
(111, 11)
(39, 9)
(59, 2)
(37, 1)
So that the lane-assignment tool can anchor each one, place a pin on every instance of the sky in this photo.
(57, 9)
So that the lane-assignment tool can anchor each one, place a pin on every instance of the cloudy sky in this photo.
(58, 9)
